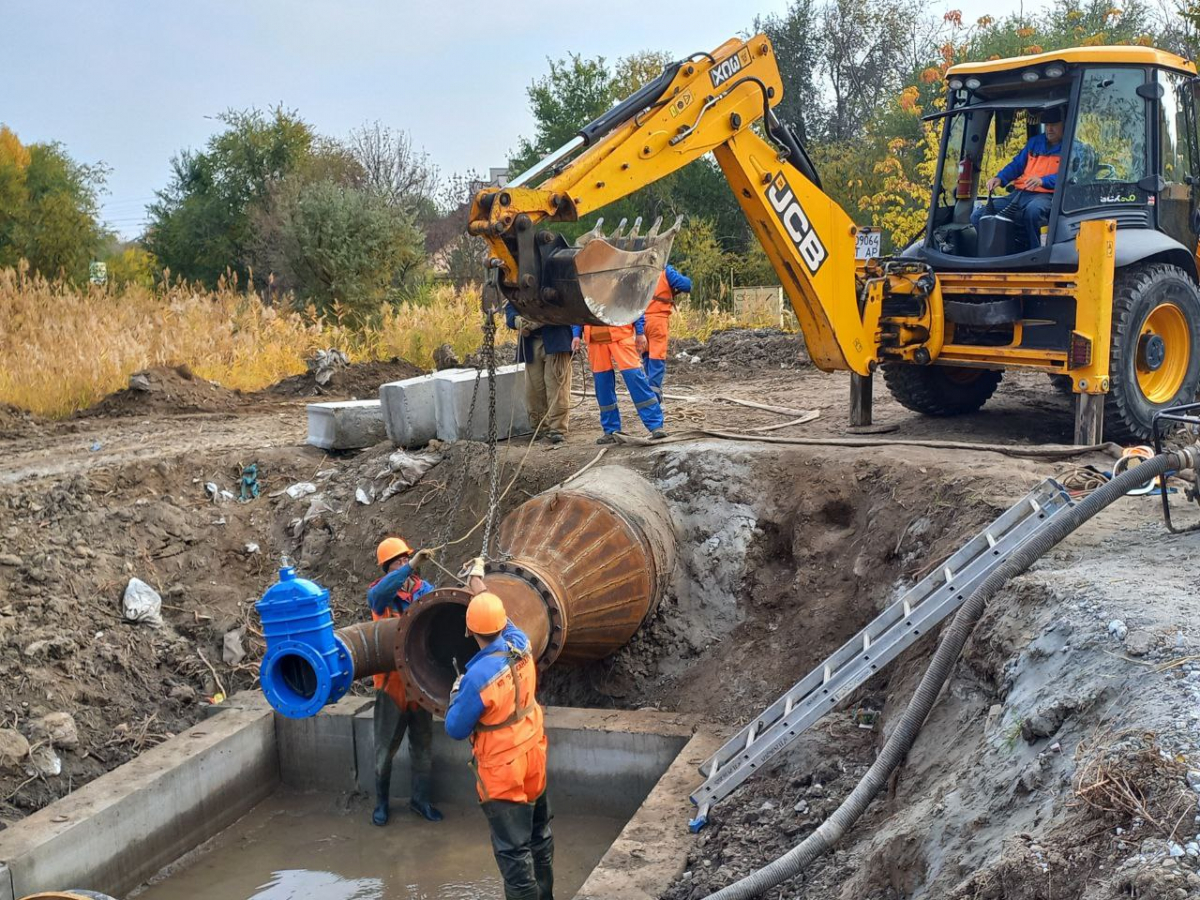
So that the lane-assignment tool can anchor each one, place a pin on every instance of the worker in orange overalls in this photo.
(613, 348)
(390, 596)
(493, 704)
(657, 328)
(1034, 174)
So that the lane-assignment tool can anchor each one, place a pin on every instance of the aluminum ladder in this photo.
(899, 626)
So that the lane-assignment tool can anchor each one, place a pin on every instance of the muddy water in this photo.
(301, 846)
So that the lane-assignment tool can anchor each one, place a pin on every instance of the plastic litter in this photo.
(141, 604)
(300, 489)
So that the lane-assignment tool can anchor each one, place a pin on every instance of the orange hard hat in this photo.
(485, 614)
(390, 548)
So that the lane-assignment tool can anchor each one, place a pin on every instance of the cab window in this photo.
(1108, 155)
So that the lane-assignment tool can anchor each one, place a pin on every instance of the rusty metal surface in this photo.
(609, 543)
(432, 646)
(372, 646)
(582, 568)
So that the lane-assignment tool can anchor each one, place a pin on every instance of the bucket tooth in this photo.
(653, 232)
(587, 237)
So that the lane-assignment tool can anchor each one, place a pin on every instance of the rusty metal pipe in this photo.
(372, 646)
(582, 567)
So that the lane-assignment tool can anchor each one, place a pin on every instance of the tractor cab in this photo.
(1085, 133)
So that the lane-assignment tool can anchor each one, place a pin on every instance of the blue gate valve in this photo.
(306, 665)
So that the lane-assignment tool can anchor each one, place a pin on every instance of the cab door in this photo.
(1178, 163)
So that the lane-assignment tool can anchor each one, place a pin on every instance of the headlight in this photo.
(1056, 70)
(973, 83)
(955, 84)
(1029, 75)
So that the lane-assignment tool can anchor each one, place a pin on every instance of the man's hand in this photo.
(457, 684)
(420, 556)
(641, 342)
(1032, 183)
(576, 343)
(993, 184)
(477, 567)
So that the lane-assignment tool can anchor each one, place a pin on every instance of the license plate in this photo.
(868, 243)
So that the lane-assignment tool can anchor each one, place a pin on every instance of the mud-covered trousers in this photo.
(390, 724)
(524, 847)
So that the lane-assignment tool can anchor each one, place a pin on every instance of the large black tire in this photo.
(941, 390)
(1136, 392)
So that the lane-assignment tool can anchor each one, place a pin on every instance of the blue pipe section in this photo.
(306, 665)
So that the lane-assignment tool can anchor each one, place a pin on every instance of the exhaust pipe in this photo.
(583, 566)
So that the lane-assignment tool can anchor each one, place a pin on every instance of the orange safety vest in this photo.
(509, 741)
(1038, 167)
(390, 682)
(663, 303)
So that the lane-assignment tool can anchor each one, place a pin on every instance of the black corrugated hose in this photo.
(897, 746)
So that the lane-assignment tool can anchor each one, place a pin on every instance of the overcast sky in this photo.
(131, 82)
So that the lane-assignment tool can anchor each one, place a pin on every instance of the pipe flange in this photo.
(556, 639)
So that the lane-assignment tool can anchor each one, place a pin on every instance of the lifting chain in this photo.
(456, 503)
(489, 359)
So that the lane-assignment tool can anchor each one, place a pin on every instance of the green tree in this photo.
(132, 264)
(49, 208)
(200, 225)
(576, 91)
(343, 249)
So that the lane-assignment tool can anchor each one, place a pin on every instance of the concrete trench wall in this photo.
(121, 829)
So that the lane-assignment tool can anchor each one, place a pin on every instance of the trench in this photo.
(783, 554)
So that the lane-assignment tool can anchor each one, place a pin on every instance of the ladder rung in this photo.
(949, 574)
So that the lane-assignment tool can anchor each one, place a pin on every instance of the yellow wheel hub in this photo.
(1163, 353)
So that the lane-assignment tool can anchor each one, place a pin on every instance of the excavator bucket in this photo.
(602, 279)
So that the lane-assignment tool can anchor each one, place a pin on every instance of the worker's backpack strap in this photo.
(512, 657)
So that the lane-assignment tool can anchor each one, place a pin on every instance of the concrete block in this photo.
(410, 409)
(6, 885)
(454, 390)
(116, 831)
(318, 753)
(345, 424)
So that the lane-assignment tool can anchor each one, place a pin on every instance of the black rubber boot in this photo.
(380, 816)
(420, 799)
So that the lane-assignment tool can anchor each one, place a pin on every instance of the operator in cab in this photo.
(1034, 174)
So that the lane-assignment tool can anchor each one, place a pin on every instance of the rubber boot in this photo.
(420, 799)
(380, 816)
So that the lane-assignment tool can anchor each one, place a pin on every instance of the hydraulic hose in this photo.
(902, 739)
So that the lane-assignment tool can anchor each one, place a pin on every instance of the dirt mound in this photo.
(175, 389)
(747, 348)
(359, 381)
(16, 422)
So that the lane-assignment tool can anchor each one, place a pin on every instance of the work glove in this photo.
(477, 567)
(457, 684)
(420, 556)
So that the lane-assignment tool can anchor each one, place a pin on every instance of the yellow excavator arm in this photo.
(705, 104)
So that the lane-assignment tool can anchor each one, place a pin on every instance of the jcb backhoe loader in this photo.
(1105, 302)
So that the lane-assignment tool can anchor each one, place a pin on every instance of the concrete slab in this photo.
(651, 851)
(454, 390)
(115, 832)
(346, 424)
(410, 409)
(318, 753)
(6, 885)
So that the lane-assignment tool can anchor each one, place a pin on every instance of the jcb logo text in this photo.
(783, 200)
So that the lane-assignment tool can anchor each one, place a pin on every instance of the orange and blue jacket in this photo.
(1037, 159)
(670, 282)
(390, 596)
(495, 705)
